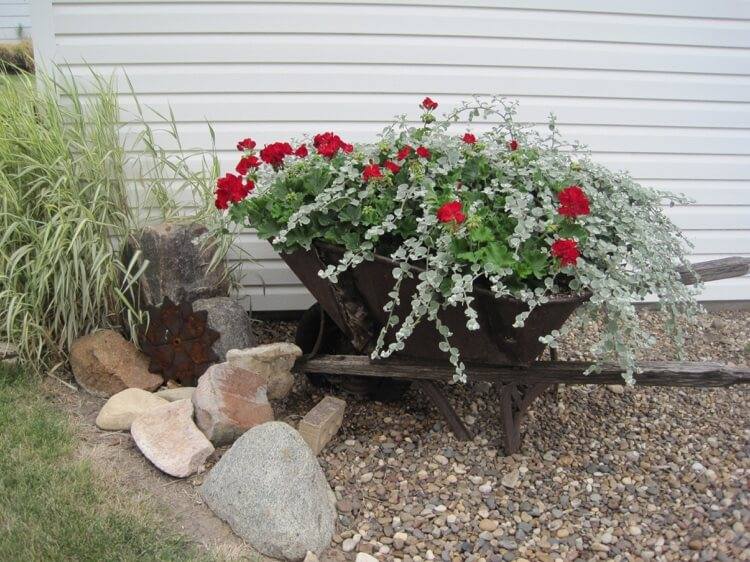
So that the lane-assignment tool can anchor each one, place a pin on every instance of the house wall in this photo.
(14, 14)
(660, 88)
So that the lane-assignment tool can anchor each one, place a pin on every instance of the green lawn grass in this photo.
(53, 506)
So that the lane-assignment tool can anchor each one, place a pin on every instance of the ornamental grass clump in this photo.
(510, 209)
(62, 202)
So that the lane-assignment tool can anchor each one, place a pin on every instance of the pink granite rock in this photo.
(168, 438)
(228, 401)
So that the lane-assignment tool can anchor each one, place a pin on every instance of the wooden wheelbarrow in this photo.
(338, 334)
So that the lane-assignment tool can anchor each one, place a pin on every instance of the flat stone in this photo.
(616, 388)
(321, 423)
(271, 490)
(104, 363)
(272, 361)
(174, 394)
(230, 319)
(511, 479)
(228, 401)
(168, 438)
(120, 410)
(179, 256)
(488, 524)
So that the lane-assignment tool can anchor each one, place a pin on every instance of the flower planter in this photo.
(356, 303)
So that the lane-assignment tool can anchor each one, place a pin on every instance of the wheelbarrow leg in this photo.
(515, 400)
(438, 399)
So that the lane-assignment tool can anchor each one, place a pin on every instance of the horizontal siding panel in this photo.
(656, 167)
(706, 192)
(299, 108)
(719, 241)
(710, 218)
(11, 21)
(373, 49)
(729, 9)
(600, 139)
(416, 80)
(397, 20)
(702, 192)
(707, 245)
(276, 273)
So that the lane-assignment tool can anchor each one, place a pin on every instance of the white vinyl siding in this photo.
(14, 17)
(659, 88)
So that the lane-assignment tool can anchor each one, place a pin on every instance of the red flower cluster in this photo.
(468, 138)
(274, 153)
(573, 202)
(423, 152)
(403, 154)
(301, 151)
(392, 166)
(566, 250)
(451, 212)
(328, 144)
(371, 171)
(246, 144)
(231, 188)
(512, 144)
(428, 104)
(246, 163)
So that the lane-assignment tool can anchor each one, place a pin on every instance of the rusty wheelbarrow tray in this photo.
(496, 353)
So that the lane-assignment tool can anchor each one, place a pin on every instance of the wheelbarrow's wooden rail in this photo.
(520, 385)
(713, 270)
(654, 373)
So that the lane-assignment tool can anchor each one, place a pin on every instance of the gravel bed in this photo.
(606, 473)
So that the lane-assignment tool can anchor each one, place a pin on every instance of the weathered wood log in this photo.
(655, 373)
(713, 270)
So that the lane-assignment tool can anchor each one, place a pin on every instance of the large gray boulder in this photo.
(271, 490)
(230, 320)
(179, 255)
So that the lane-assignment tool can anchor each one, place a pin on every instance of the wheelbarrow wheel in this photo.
(334, 342)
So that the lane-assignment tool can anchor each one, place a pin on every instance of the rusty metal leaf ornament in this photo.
(179, 342)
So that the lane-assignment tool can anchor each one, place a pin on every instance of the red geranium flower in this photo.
(404, 152)
(451, 212)
(328, 144)
(301, 151)
(274, 153)
(468, 138)
(512, 144)
(566, 250)
(573, 202)
(428, 104)
(231, 188)
(246, 144)
(423, 152)
(393, 167)
(247, 162)
(370, 172)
